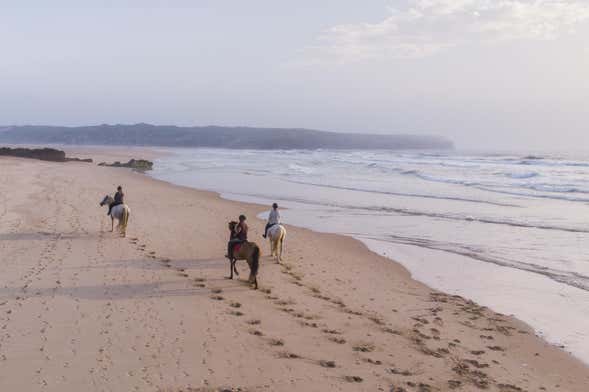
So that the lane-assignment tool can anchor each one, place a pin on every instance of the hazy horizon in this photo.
(506, 74)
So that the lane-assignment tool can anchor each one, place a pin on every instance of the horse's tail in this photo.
(282, 241)
(255, 260)
(125, 218)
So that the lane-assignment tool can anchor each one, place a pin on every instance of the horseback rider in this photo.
(119, 199)
(238, 236)
(273, 219)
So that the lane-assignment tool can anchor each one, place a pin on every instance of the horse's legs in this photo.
(232, 267)
(112, 224)
(271, 246)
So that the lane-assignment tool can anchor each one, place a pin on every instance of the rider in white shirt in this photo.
(273, 219)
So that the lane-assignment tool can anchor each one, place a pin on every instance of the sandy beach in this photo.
(84, 310)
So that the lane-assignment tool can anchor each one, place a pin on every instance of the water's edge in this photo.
(400, 258)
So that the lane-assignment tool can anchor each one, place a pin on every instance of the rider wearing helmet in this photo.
(273, 219)
(238, 236)
(119, 199)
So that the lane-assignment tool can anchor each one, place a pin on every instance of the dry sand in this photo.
(84, 310)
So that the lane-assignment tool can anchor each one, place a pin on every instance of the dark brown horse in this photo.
(247, 251)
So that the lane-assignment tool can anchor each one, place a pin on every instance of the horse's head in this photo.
(107, 200)
(232, 225)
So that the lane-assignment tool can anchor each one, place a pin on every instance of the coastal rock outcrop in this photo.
(43, 154)
(135, 164)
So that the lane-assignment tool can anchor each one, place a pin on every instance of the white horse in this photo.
(121, 212)
(277, 237)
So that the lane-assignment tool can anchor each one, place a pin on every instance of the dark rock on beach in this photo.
(135, 164)
(43, 154)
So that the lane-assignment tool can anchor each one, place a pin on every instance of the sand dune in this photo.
(84, 310)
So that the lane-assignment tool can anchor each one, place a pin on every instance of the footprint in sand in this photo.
(326, 364)
(288, 355)
(256, 332)
(364, 347)
(337, 340)
(496, 348)
(372, 361)
(276, 342)
(199, 282)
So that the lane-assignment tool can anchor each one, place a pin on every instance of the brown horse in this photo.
(247, 251)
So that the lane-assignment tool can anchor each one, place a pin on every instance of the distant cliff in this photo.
(215, 137)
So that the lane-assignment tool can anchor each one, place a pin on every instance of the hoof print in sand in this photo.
(372, 361)
(495, 348)
(287, 355)
(326, 364)
(364, 347)
(509, 388)
(337, 340)
(276, 342)
(400, 372)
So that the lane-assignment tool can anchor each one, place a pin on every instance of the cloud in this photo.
(426, 27)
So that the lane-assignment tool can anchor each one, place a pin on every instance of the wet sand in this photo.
(83, 309)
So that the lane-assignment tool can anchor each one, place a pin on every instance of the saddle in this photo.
(237, 247)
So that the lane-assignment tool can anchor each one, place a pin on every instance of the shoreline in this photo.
(263, 208)
(378, 253)
(386, 319)
(377, 250)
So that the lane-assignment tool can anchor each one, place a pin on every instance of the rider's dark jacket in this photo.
(119, 198)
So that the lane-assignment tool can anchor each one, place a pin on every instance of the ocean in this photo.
(509, 231)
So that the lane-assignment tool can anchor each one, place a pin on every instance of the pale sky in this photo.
(485, 73)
